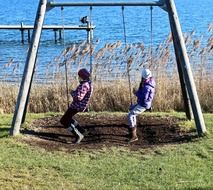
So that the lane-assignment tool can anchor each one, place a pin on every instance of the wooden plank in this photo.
(104, 4)
(45, 27)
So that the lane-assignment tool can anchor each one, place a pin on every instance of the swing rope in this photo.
(128, 65)
(65, 63)
(151, 34)
(90, 41)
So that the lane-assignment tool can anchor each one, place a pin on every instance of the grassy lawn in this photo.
(181, 166)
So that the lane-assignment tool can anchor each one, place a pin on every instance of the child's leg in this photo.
(77, 133)
(133, 122)
(67, 118)
(131, 119)
(76, 124)
(72, 125)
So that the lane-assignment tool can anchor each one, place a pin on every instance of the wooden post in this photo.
(60, 36)
(22, 33)
(28, 70)
(28, 97)
(184, 61)
(88, 32)
(88, 36)
(22, 36)
(55, 36)
(28, 32)
(185, 94)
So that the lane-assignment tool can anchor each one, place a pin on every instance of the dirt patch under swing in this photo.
(106, 130)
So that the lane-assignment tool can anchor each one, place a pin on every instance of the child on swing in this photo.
(81, 97)
(145, 95)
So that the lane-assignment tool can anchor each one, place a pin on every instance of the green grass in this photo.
(182, 166)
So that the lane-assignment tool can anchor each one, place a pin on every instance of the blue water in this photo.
(193, 15)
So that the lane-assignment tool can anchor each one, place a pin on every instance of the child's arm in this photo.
(137, 92)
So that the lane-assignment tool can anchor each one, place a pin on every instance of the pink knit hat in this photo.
(84, 74)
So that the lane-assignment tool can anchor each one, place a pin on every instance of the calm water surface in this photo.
(193, 15)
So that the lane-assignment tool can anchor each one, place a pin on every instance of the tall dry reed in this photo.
(109, 74)
(113, 96)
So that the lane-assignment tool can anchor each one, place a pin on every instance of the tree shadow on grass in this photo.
(4, 132)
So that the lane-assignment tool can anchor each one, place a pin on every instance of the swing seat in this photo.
(149, 110)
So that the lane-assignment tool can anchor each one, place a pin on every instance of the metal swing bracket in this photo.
(48, 6)
(163, 5)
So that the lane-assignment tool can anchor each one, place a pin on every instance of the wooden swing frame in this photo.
(191, 100)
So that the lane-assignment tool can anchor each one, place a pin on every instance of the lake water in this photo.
(193, 15)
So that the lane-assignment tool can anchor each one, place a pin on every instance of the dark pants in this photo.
(67, 118)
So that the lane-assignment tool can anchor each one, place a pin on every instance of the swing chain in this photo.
(65, 63)
(151, 34)
(90, 41)
(128, 65)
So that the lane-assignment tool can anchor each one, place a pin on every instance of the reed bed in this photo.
(113, 96)
(110, 66)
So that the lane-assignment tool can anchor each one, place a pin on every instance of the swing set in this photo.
(190, 97)
(89, 22)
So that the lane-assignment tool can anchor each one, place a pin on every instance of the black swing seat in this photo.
(149, 110)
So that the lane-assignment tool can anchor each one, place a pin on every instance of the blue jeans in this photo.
(134, 111)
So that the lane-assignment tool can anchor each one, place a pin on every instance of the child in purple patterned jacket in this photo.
(145, 95)
(81, 97)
